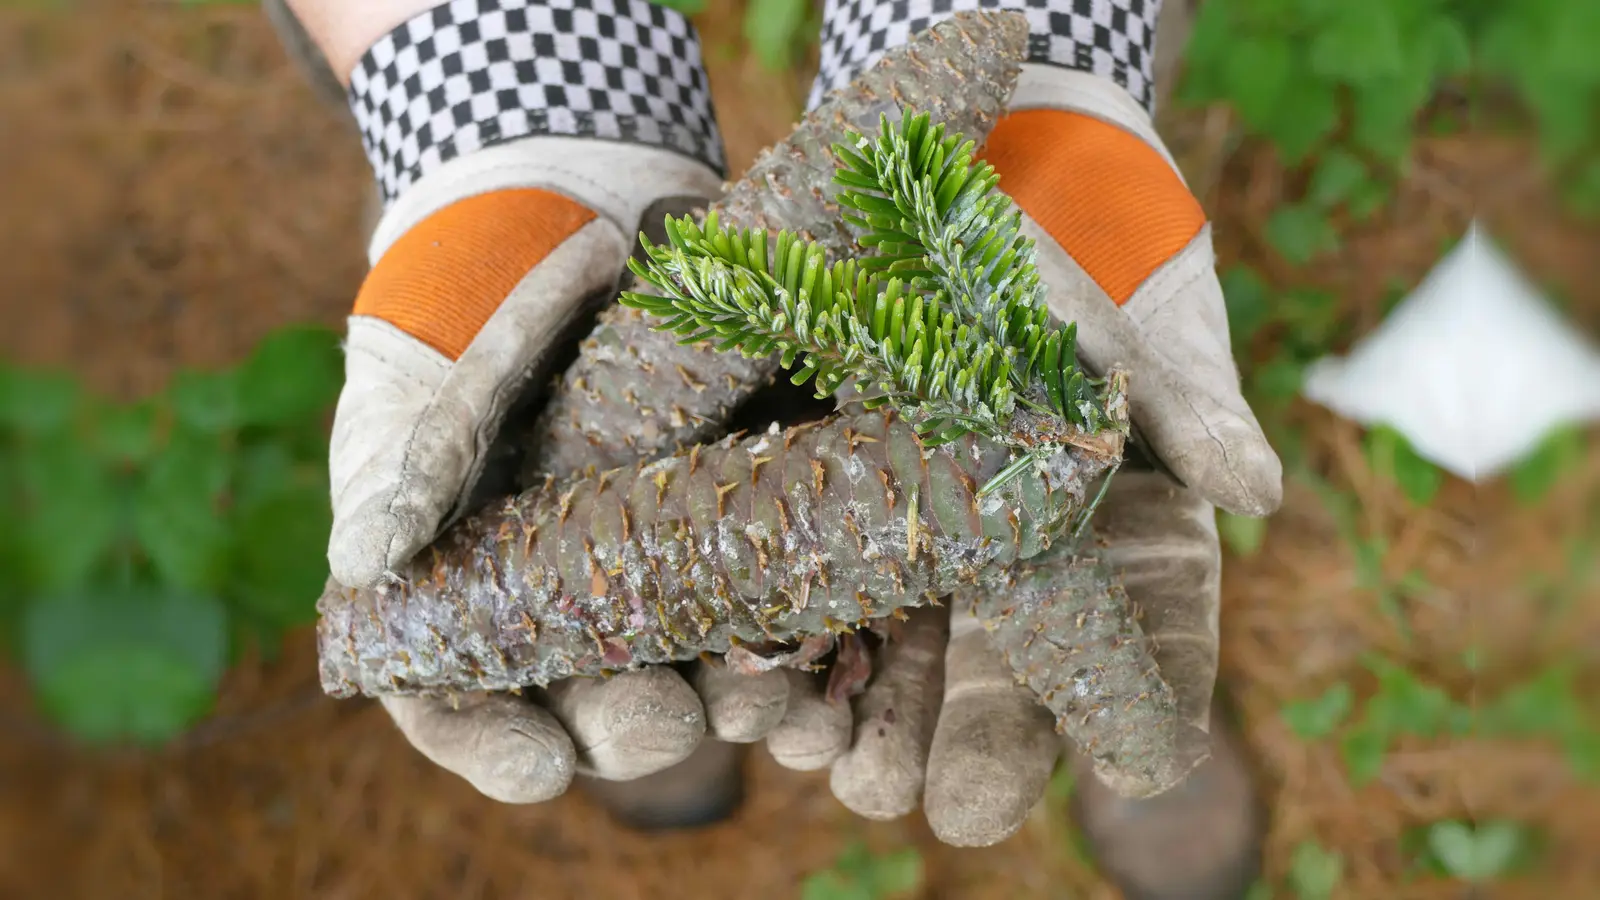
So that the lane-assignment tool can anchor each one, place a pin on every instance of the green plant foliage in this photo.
(859, 874)
(1479, 853)
(778, 30)
(1338, 84)
(1275, 334)
(946, 316)
(1534, 475)
(1241, 534)
(1314, 871)
(687, 7)
(1300, 233)
(1393, 457)
(125, 662)
(148, 535)
(1316, 718)
(1549, 705)
(1401, 705)
(1545, 50)
(1292, 70)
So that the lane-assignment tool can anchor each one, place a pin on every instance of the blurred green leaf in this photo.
(1300, 233)
(1247, 300)
(1480, 854)
(1205, 55)
(178, 518)
(1359, 46)
(1548, 706)
(1279, 378)
(1366, 199)
(1241, 534)
(1581, 189)
(1404, 704)
(831, 885)
(1318, 717)
(265, 469)
(1315, 872)
(206, 402)
(860, 875)
(1448, 46)
(293, 374)
(687, 7)
(774, 29)
(1363, 749)
(35, 402)
(71, 508)
(1383, 120)
(1340, 174)
(1062, 782)
(1308, 114)
(1534, 475)
(1393, 457)
(1255, 73)
(896, 873)
(126, 433)
(126, 663)
(1582, 746)
(282, 554)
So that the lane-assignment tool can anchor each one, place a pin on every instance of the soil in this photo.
(174, 191)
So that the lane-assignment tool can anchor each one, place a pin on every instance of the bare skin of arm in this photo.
(345, 29)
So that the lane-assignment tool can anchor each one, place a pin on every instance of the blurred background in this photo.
(1412, 655)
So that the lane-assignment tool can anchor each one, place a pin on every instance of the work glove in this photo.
(1125, 251)
(518, 153)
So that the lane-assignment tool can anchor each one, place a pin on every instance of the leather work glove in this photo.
(1126, 252)
(518, 152)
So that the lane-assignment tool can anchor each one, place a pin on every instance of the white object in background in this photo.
(1474, 367)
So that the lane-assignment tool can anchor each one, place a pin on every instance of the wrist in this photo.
(463, 78)
(615, 180)
(343, 30)
(1110, 39)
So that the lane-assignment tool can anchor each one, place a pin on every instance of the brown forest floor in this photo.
(172, 192)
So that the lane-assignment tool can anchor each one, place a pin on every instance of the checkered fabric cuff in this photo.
(470, 74)
(1110, 38)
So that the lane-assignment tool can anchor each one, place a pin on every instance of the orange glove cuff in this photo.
(1107, 197)
(443, 279)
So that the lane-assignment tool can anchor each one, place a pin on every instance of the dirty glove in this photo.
(518, 150)
(1125, 251)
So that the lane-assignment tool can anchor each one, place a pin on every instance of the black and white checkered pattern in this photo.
(1112, 38)
(474, 73)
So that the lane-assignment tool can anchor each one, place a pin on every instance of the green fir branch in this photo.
(839, 321)
(946, 316)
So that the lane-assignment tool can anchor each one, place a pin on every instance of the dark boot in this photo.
(1199, 841)
(704, 789)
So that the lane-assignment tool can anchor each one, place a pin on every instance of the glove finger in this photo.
(880, 776)
(994, 747)
(1162, 541)
(1184, 397)
(740, 709)
(1193, 414)
(1129, 257)
(629, 725)
(814, 731)
(506, 747)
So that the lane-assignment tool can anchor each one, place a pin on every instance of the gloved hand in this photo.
(503, 224)
(426, 393)
(1126, 253)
